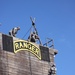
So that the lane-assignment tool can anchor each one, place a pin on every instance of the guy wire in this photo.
(27, 32)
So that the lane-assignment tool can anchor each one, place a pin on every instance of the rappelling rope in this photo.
(27, 32)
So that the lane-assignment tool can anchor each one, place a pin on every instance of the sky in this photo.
(54, 19)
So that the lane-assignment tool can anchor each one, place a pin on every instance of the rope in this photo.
(27, 32)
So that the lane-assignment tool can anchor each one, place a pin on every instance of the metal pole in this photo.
(33, 24)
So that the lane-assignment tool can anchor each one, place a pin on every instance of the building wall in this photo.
(23, 62)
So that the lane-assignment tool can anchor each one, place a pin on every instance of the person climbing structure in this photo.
(53, 69)
(33, 37)
(14, 31)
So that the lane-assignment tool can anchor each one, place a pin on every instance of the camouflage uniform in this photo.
(14, 31)
(33, 37)
(52, 70)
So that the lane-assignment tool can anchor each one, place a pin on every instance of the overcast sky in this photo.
(54, 19)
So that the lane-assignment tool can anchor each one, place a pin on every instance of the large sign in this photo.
(25, 45)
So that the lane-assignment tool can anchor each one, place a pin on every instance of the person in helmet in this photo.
(14, 31)
(33, 37)
(53, 69)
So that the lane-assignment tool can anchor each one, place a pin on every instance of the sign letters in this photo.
(25, 45)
